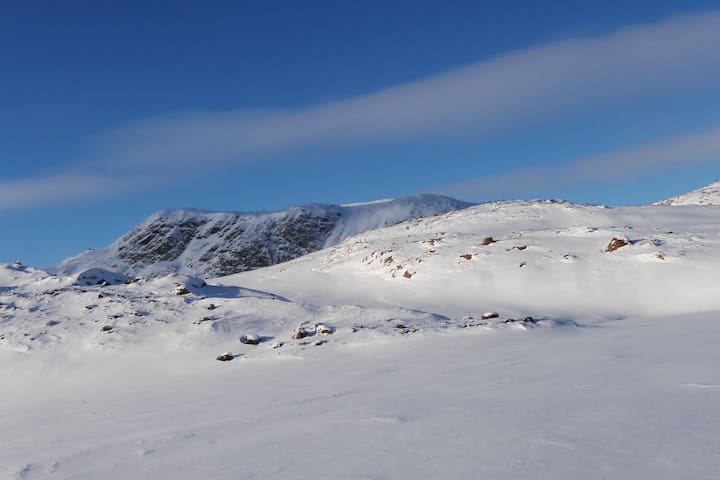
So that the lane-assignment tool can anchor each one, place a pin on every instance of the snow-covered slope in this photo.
(372, 359)
(708, 195)
(546, 258)
(203, 243)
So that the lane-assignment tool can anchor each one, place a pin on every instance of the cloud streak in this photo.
(690, 150)
(527, 85)
(535, 83)
(58, 189)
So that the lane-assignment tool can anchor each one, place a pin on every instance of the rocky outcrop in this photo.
(213, 244)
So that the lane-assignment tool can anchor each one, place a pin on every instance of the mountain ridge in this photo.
(210, 244)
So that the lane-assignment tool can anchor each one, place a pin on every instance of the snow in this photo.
(708, 195)
(588, 363)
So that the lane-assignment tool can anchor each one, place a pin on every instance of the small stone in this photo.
(615, 243)
(529, 320)
(320, 342)
(225, 357)
(488, 240)
(489, 315)
(106, 328)
(400, 326)
(467, 256)
(323, 329)
(407, 274)
(212, 306)
(520, 247)
(250, 339)
(300, 333)
(181, 291)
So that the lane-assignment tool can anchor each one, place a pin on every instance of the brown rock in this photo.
(615, 243)
(388, 260)
(488, 240)
(467, 256)
(407, 274)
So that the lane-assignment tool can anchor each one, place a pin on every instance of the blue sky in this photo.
(114, 110)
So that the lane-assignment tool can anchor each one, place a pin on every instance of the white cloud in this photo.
(694, 149)
(56, 189)
(535, 83)
(539, 82)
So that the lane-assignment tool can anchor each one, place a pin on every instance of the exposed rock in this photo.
(407, 274)
(225, 357)
(388, 260)
(520, 247)
(489, 315)
(467, 256)
(488, 240)
(323, 329)
(212, 306)
(106, 328)
(616, 243)
(180, 290)
(529, 320)
(250, 339)
(300, 333)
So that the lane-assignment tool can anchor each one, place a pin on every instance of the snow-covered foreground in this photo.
(372, 359)
(629, 399)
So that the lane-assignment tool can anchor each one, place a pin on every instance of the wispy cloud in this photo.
(537, 82)
(534, 83)
(57, 189)
(688, 150)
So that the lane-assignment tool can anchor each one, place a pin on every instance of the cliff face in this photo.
(212, 244)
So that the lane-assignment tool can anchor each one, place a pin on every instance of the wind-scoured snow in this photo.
(203, 243)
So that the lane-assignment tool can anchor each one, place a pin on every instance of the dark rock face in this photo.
(158, 241)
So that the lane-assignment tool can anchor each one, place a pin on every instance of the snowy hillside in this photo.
(520, 258)
(202, 243)
(521, 339)
(708, 195)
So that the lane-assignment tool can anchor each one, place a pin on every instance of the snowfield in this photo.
(508, 340)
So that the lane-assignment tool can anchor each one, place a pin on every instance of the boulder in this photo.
(616, 243)
(250, 339)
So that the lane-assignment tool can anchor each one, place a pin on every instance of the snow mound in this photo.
(99, 276)
(708, 195)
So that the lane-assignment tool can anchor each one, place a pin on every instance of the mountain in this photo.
(212, 244)
(708, 195)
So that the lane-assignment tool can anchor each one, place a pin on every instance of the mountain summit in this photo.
(212, 244)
